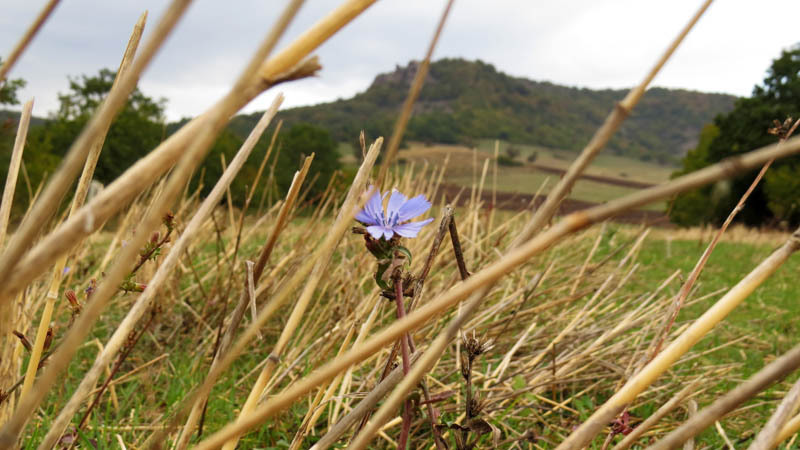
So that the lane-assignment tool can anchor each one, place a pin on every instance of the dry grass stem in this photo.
(77, 201)
(411, 98)
(601, 137)
(766, 437)
(145, 300)
(662, 362)
(26, 39)
(13, 168)
(654, 418)
(771, 373)
(10, 360)
(494, 271)
(76, 156)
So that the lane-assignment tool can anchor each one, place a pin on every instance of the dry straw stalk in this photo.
(411, 98)
(662, 362)
(13, 169)
(665, 409)
(77, 201)
(34, 28)
(9, 354)
(766, 438)
(238, 313)
(47, 203)
(145, 300)
(774, 371)
(496, 270)
(546, 211)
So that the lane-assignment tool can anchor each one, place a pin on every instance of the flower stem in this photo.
(401, 312)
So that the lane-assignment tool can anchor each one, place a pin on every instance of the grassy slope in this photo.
(464, 168)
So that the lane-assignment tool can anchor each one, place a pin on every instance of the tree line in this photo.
(776, 200)
(139, 127)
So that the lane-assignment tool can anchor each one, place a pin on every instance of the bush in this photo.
(504, 160)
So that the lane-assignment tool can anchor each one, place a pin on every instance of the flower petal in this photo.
(395, 202)
(413, 208)
(376, 231)
(373, 209)
(411, 229)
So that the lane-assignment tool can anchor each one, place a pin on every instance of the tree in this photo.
(741, 130)
(8, 131)
(226, 144)
(9, 88)
(137, 129)
(300, 141)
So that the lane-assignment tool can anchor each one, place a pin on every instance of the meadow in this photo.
(149, 316)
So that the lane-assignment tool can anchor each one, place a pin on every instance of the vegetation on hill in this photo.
(743, 129)
(463, 101)
(138, 128)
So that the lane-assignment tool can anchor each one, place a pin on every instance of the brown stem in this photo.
(401, 312)
(468, 409)
(144, 258)
(114, 370)
(462, 267)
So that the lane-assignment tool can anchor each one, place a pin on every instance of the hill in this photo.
(463, 101)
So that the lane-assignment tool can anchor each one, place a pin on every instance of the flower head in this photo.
(395, 219)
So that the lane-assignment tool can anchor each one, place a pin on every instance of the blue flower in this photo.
(395, 219)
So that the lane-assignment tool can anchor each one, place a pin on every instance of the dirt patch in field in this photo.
(517, 202)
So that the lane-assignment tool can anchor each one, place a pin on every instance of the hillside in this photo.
(463, 101)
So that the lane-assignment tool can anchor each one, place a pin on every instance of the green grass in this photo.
(605, 164)
(527, 181)
(768, 317)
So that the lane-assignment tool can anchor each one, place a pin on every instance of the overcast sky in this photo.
(586, 43)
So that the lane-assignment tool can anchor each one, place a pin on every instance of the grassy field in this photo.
(465, 167)
(758, 331)
(605, 165)
(174, 352)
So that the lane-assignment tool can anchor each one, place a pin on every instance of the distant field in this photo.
(465, 166)
(605, 164)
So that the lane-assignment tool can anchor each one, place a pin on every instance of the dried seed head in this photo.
(72, 299)
(781, 129)
(475, 346)
(477, 405)
(169, 221)
(48, 340)
(622, 424)
(23, 340)
(91, 288)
